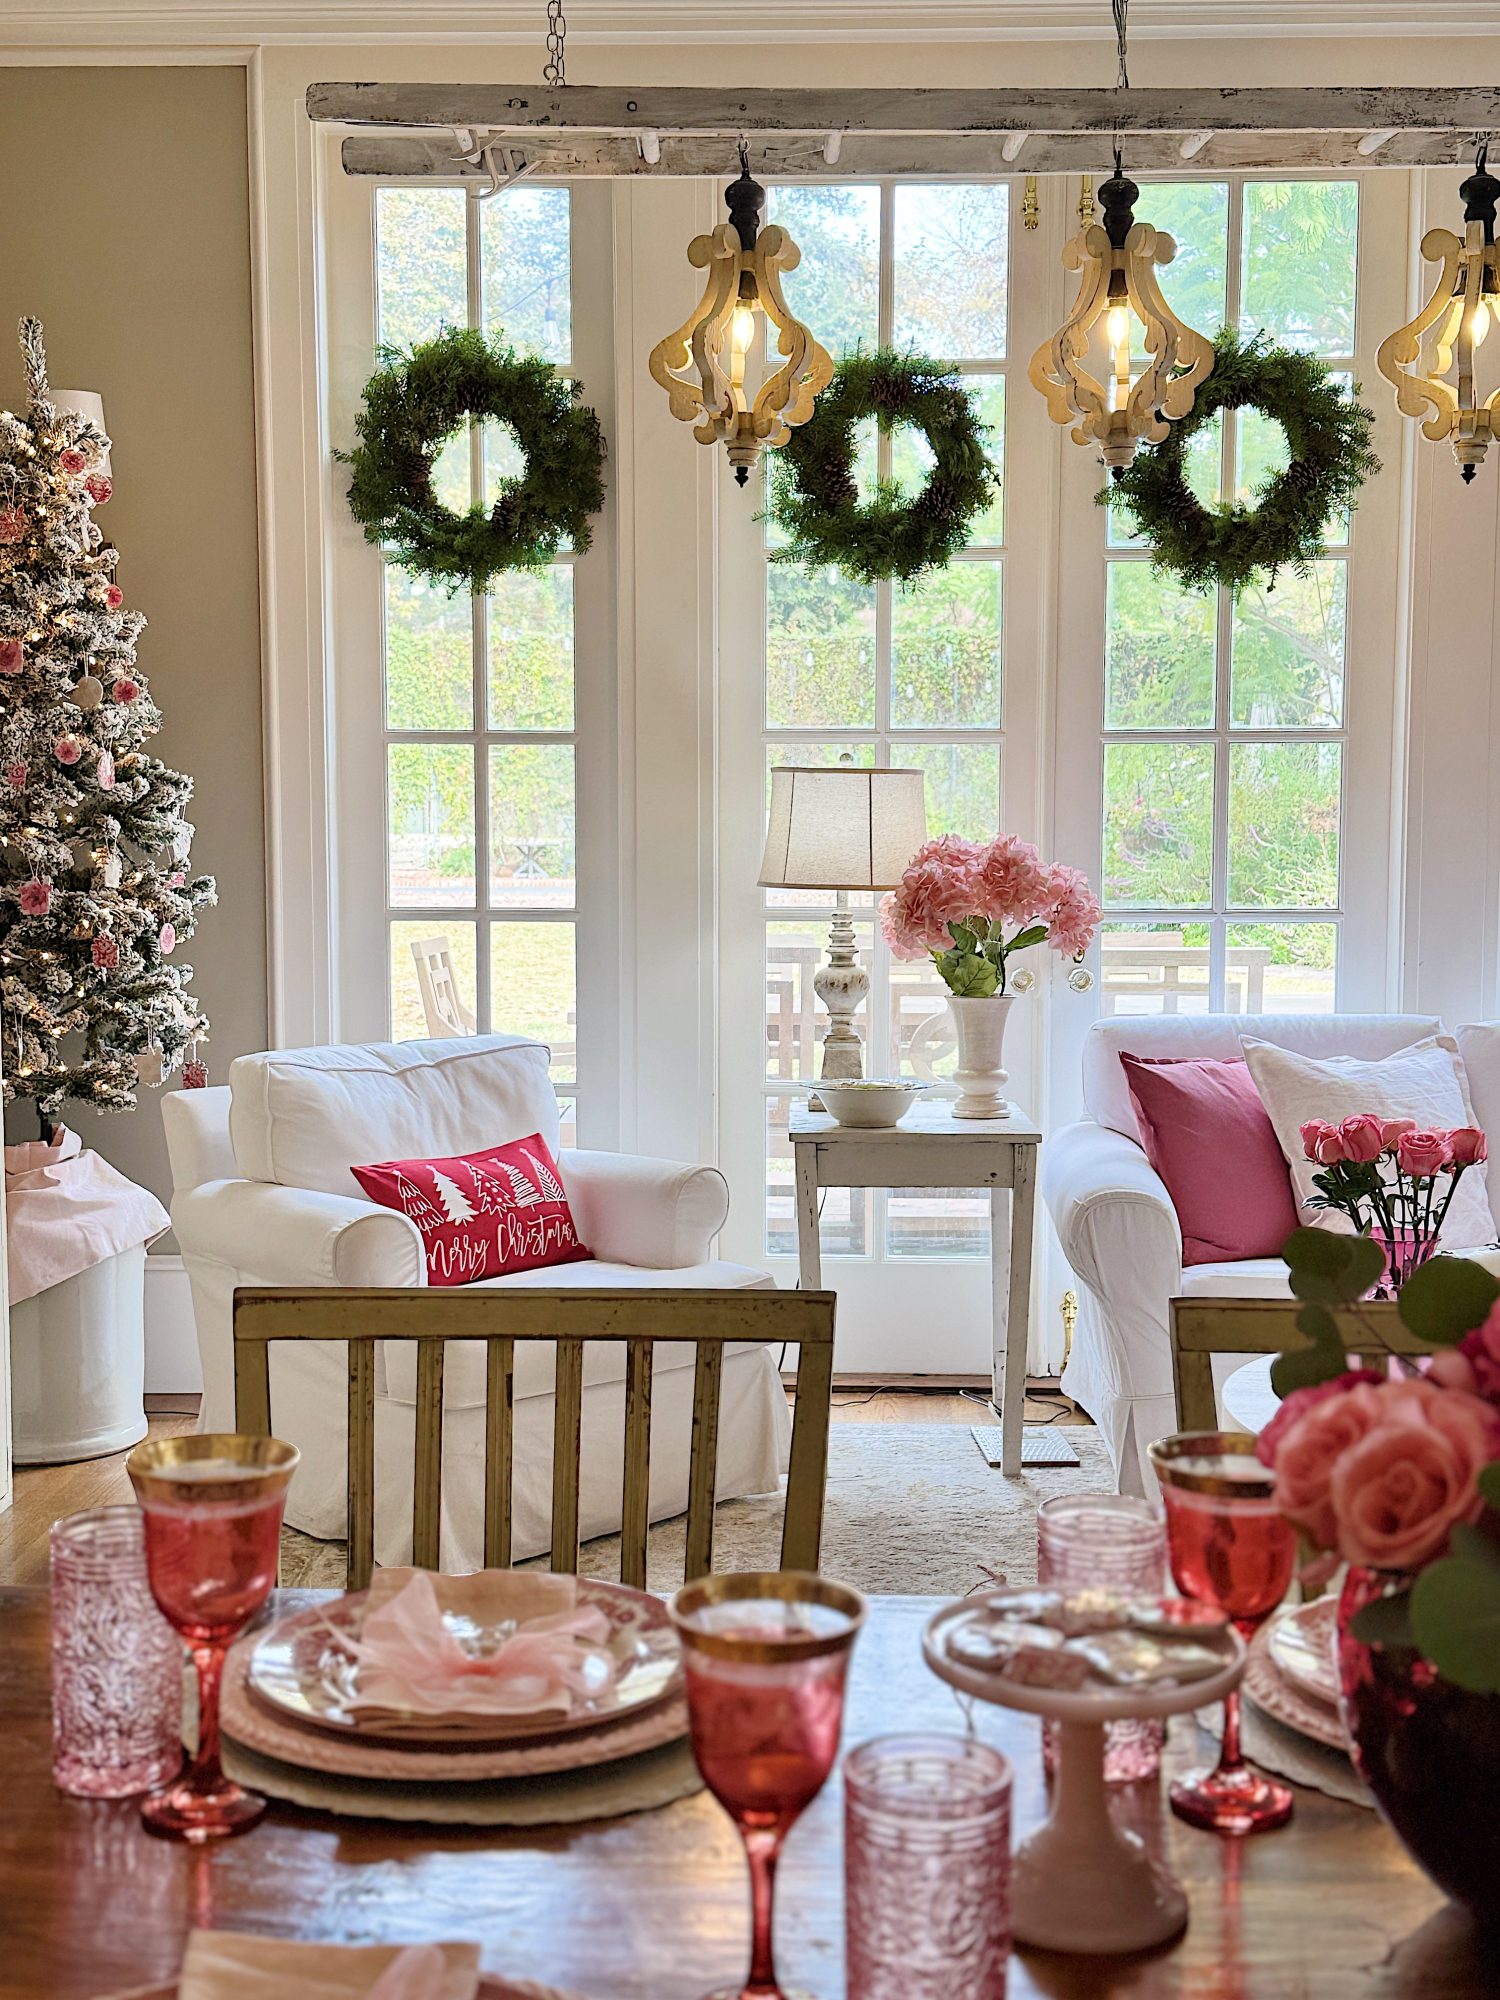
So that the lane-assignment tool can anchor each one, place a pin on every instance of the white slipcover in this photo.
(264, 1196)
(1119, 1230)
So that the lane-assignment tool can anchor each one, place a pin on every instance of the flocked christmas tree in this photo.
(94, 892)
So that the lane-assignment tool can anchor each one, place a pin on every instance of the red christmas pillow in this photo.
(482, 1215)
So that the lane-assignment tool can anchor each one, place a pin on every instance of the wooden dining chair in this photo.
(1202, 1328)
(574, 1320)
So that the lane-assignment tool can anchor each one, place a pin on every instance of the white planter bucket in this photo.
(78, 1364)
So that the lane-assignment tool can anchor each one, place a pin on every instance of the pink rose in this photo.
(1363, 1138)
(125, 689)
(1323, 1142)
(1073, 914)
(68, 750)
(1013, 884)
(12, 656)
(114, 597)
(1452, 1369)
(1481, 1350)
(1392, 1130)
(35, 897)
(1467, 1146)
(1306, 1442)
(940, 887)
(1422, 1152)
(71, 459)
(1398, 1491)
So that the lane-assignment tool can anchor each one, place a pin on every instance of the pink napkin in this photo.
(231, 1965)
(541, 1650)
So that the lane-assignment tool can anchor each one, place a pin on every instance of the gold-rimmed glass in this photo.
(212, 1507)
(1229, 1546)
(765, 1656)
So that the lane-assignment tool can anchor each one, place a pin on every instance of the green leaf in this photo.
(1455, 1615)
(1489, 1484)
(1305, 1367)
(1474, 1545)
(1330, 1269)
(1319, 1324)
(1446, 1299)
(963, 937)
(1033, 934)
(972, 977)
(1385, 1622)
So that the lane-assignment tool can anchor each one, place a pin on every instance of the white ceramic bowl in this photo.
(870, 1103)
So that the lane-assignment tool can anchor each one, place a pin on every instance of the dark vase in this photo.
(1429, 1751)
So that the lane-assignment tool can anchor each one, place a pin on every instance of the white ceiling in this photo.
(38, 24)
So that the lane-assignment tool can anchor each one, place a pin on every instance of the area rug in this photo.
(911, 1508)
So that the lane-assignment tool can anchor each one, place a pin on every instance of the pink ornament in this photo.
(12, 656)
(98, 486)
(68, 750)
(106, 772)
(106, 954)
(176, 879)
(125, 689)
(168, 939)
(16, 775)
(12, 525)
(114, 597)
(194, 1075)
(35, 897)
(71, 459)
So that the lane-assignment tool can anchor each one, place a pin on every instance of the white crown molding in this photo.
(114, 29)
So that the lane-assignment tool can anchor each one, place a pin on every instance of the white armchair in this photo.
(1119, 1230)
(263, 1195)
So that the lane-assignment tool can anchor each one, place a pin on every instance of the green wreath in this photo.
(1328, 443)
(814, 498)
(415, 402)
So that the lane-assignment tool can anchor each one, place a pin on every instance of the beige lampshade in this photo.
(840, 827)
(87, 403)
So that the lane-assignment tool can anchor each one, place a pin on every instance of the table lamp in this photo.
(842, 827)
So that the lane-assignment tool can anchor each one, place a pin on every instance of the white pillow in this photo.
(1425, 1082)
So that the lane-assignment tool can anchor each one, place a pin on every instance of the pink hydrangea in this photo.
(1071, 911)
(940, 887)
(1013, 883)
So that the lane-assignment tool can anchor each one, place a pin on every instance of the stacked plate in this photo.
(1293, 1672)
(290, 1699)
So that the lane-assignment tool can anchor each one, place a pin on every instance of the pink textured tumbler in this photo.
(926, 1869)
(116, 1662)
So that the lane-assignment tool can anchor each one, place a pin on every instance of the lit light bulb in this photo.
(742, 328)
(1117, 326)
(1479, 323)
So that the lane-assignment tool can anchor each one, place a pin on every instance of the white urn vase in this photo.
(978, 1026)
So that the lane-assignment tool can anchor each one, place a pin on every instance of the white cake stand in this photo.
(1079, 1884)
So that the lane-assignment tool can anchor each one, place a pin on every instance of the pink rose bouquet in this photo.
(1393, 1179)
(970, 907)
(1397, 1473)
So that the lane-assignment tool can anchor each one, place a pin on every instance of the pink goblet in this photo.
(212, 1506)
(765, 1656)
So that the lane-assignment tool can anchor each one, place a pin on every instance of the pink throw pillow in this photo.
(1208, 1135)
(482, 1215)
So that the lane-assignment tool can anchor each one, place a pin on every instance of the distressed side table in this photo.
(932, 1148)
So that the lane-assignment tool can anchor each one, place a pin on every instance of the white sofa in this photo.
(1119, 1231)
(263, 1195)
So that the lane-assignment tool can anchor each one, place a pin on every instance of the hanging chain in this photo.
(555, 72)
(1121, 9)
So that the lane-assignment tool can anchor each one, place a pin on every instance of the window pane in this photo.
(945, 649)
(813, 754)
(1284, 825)
(963, 785)
(844, 1225)
(534, 989)
(1158, 824)
(1205, 478)
(1159, 652)
(525, 250)
(835, 289)
(421, 273)
(452, 482)
(937, 1222)
(1281, 968)
(429, 645)
(1261, 451)
(1195, 214)
(431, 819)
(866, 471)
(950, 270)
(531, 826)
(820, 649)
(1298, 263)
(912, 459)
(531, 650)
(916, 995)
(448, 1006)
(1287, 655)
(796, 1019)
(1153, 968)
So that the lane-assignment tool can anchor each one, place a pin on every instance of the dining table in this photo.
(654, 1906)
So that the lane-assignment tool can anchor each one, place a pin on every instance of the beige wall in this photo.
(125, 227)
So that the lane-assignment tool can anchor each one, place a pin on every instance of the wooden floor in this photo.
(44, 1493)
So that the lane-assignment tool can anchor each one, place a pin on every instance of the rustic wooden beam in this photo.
(668, 109)
(959, 156)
